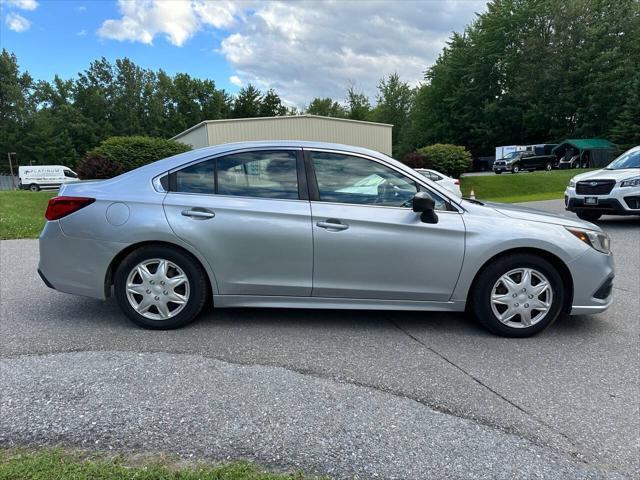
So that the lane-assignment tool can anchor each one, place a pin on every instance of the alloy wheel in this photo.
(521, 298)
(157, 289)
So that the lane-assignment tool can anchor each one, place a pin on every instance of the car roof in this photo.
(192, 155)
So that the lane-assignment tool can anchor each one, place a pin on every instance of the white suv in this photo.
(614, 190)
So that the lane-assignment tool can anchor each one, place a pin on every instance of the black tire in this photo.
(515, 168)
(548, 167)
(487, 278)
(34, 188)
(498, 173)
(197, 278)
(588, 216)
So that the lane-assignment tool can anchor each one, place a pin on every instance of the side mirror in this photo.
(423, 203)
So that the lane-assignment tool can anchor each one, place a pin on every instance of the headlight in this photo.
(572, 183)
(631, 182)
(598, 240)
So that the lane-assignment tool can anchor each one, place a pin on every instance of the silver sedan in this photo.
(315, 225)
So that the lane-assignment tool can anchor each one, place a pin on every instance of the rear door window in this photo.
(263, 174)
(266, 174)
(197, 178)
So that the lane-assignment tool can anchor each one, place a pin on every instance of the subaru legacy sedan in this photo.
(297, 225)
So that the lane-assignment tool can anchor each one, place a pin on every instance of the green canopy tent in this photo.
(590, 152)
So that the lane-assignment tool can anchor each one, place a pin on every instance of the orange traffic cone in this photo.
(472, 194)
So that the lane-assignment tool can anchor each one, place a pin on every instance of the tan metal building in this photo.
(376, 136)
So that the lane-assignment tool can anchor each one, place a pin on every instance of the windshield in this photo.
(510, 155)
(629, 159)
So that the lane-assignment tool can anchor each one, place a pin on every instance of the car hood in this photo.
(534, 215)
(603, 174)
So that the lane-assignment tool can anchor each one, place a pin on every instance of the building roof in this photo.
(282, 117)
(586, 143)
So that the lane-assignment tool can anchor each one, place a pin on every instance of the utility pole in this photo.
(13, 177)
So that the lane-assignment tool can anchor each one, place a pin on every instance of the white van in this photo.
(36, 177)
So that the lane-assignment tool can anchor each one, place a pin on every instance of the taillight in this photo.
(62, 206)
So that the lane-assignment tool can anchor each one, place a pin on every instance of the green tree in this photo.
(359, 107)
(17, 107)
(247, 103)
(394, 103)
(271, 105)
(326, 107)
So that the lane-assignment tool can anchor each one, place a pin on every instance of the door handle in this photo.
(333, 224)
(202, 214)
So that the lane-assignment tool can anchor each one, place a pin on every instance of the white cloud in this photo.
(305, 49)
(235, 80)
(24, 4)
(81, 33)
(142, 20)
(17, 22)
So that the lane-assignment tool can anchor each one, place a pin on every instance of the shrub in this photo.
(449, 159)
(94, 166)
(128, 153)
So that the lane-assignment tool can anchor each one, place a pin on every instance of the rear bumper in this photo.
(75, 265)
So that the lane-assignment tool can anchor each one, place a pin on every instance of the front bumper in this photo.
(592, 274)
(501, 168)
(620, 201)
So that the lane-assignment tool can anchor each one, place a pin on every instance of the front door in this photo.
(245, 214)
(368, 243)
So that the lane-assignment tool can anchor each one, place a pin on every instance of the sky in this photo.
(302, 49)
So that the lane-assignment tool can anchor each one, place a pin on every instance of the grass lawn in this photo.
(519, 187)
(54, 464)
(22, 213)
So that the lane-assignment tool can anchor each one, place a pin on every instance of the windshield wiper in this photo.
(473, 200)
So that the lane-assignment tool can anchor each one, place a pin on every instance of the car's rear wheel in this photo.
(518, 295)
(548, 167)
(160, 287)
(34, 187)
(498, 173)
(588, 216)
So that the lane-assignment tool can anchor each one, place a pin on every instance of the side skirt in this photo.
(232, 301)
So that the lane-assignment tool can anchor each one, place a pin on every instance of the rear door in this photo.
(368, 243)
(248, 214)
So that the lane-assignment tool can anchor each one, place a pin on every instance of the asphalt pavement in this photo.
(348, 394)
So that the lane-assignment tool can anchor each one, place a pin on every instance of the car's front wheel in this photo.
(548, 167)
(160, 287)
(518, 295)
(516, 168)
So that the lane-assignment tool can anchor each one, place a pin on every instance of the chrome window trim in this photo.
(404, 209)
(416, 179)
(233, 152)
(221, 195)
